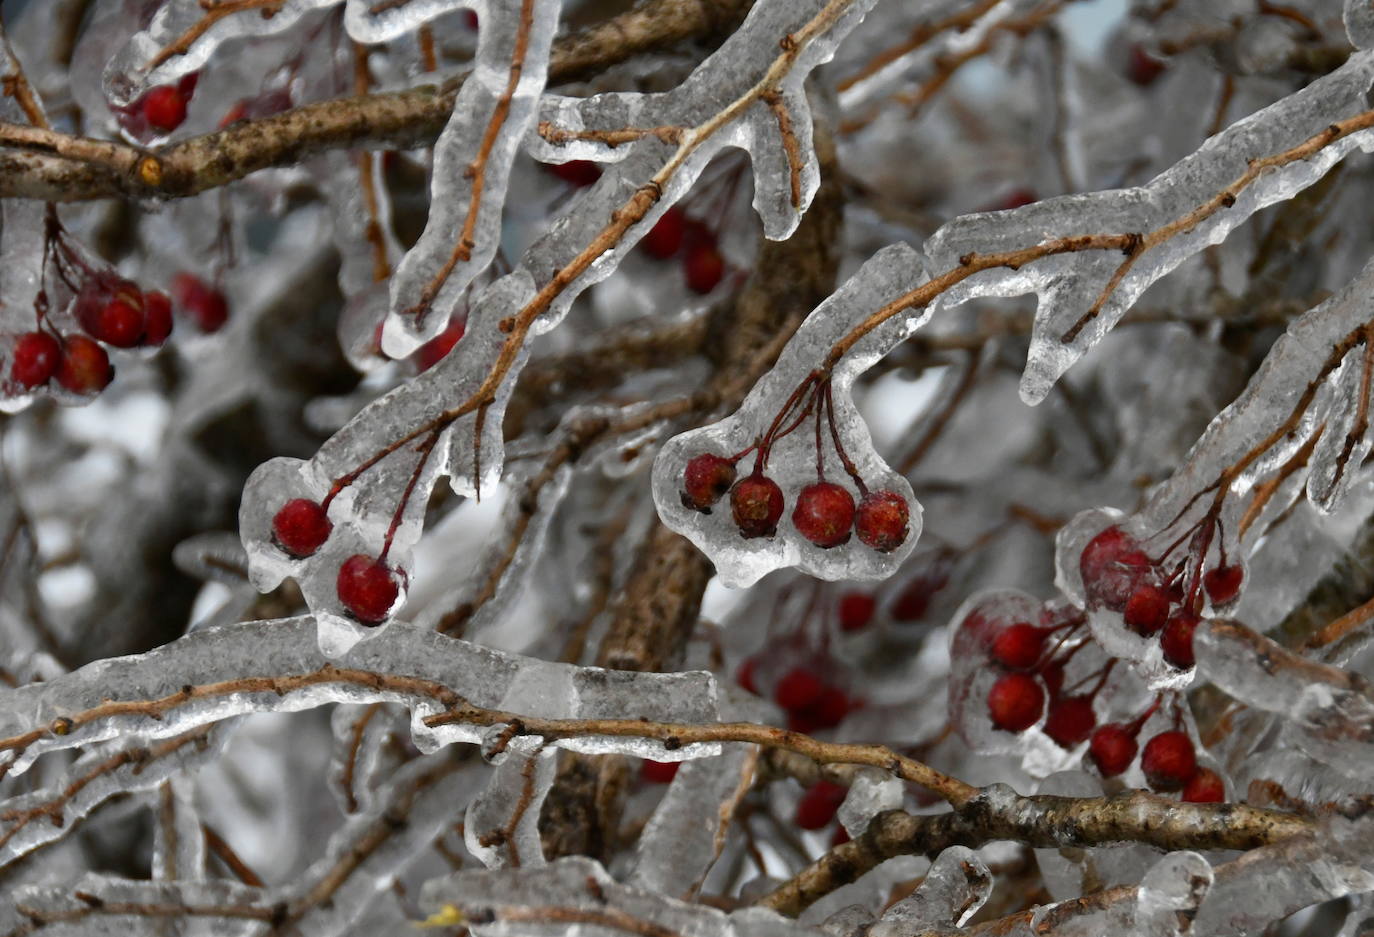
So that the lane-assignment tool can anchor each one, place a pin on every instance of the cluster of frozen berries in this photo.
(366, 585)
(1032, 659)
(1168, 761)
(811, 700)
(160, 110)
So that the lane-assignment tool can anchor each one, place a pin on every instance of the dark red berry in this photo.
(658, 772)
(883, 521)
(665, 237)
(36, 357)
(1205, 787)
(1143, 68)
(157, 318)
(1169, 760)
(203, 303)
(164, 107)
(578, 173)
(839, 837)
(1070, 720)
(818, 805)
(470, 19)
(119, 322)
(85, 367)
(824, 514)
(798, 688)
(1223, 583)
(367, 588)
(1112, 565)
(1053, 678)
(756, 503)
(1147, 609)
(437, 348)
(301, 526)
(745, 675)
(705, 481)
(703, 267)
(1177, 640)
(830, 708)
(1112, 749)
(856, 610)
(913, 601)
(1017, 198)
(1018, 646)
(1015, 702)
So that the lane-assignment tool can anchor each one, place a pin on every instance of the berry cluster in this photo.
(703, 265)
(817, 808)
(1169, 760)
(812, 702)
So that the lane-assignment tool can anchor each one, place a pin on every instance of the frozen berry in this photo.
(437, 348)
(756, 503)
(157, 318)
(1018, 646)
(1223, 583)
(119, 322)
(1177, 640)
(824, 514)
(798, 688)
(1112, 749)
(36, 356)
(85, 367)
(745, 675)
(830, 708)
(1143, 68)
(818, 805)
(1015, 702)
(203, 303)
(1070, 720)
(1112, 565)
(578, 172)
(658, 772)
(367, 588)
(164, 107)
(839, 837)
(1205, 787)
(1147, 609)
(665, 237)
(301, 526)
(1169, 760)
(856, 610)
(705, 481)
(914, 600)
(1016, 198)
(883, 521)
(703, 267)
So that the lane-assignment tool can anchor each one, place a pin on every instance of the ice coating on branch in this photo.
(89, 907)
(890, 274)
(369, 22)
(501, 826)
(1083, 289)
(413, 666)
(871, 793)
(1359, 23)
(356, 760)
(178, 840)
(956, 886)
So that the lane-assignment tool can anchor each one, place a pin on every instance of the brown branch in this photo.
(355, 741)
(612, 138)
(790, 144)
(225, 853)
(215, 10)
(381, 264)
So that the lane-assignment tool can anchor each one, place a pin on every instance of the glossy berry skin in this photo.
(665, 237)
(882, 521)
(1169, 761)
(437, 348)
(1015, 702)
(1223, 583)
(1112, 749)
(818, 805)
(1147, 609)
(756, 503)
(367, 588)
(1205, 787)
(703, 267)
(301, 527)
(1143, 68)
(705, 481)
(1177, 639)
(205, 305)
(658, 772)
(798, 688)
(1070, 720)
(1018, 646)
(856, 611)
(85, 367)
(157, 318)
(36, 357)
(824, 514)
(164, 108)
(118, 322)
(1112, 565)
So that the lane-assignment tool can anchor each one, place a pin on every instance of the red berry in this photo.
(204, 304)
(818, 805)
(1112, 749)
(1018, 646)
(1112, 565)
(1070, 720)
(1205, 787)
(756, 503)
(157, 318)
(856, 611)
(1143, 68)
(236, 113)
(1147, 609)
(301, 526)
(703, 267)
(119, 322)
(367, 588)
(839, 837)
(745, 675)
(1016, 198)
(665, 237)
(824, 514)
(85, 367)
(1169, 760)
(705, 481)
(883, 521)
(437, 348)
(36, 356)
(578, 173)
(1015, 702)
(829, 709)
(913, 601)
(164, 107)
(658, 772)
(798, 688)
(1053, 678)
(1223, 583)
(1177, 639)
(470, 19)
